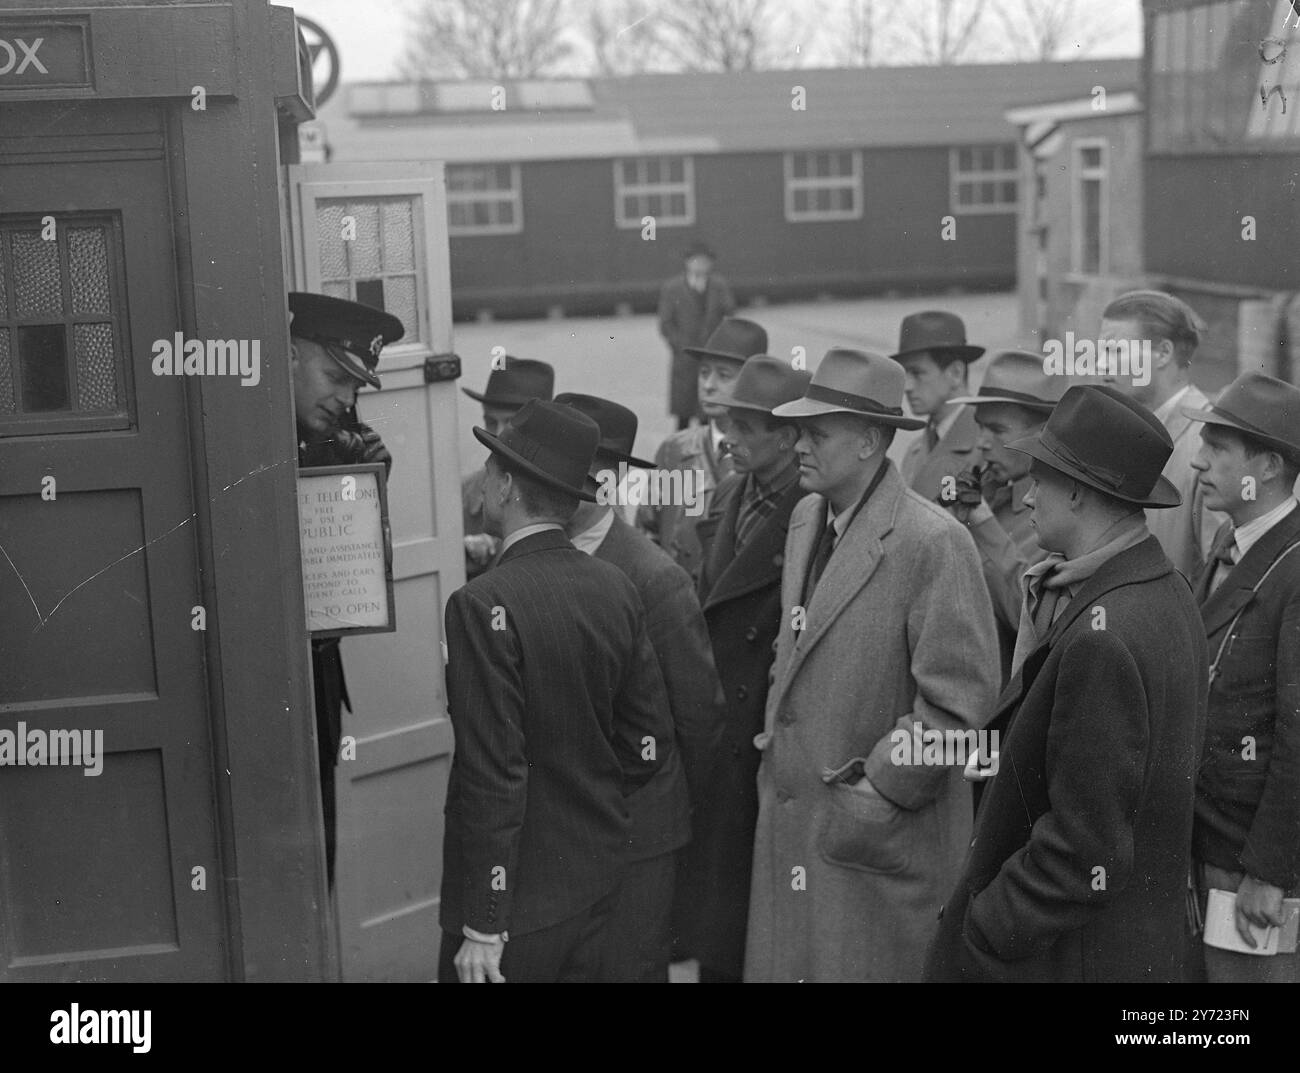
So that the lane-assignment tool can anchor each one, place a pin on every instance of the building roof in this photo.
(702, 113)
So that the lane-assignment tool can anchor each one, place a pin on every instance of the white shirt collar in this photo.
(591, 538)
(1169, 407)
(1250, 533)
(715, 437)
(527, 531)
(943, 426)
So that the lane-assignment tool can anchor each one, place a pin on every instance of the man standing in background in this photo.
(691, 306)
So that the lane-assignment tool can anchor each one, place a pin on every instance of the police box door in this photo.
(377, 233)
(109, 869)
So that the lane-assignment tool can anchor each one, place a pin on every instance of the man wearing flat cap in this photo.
(1078, 868)
(1246, 838)
(560, 716)
(740, 585)
(698, 451)
(639, 937)
(508, 389)
(1013, 401)
(886, 633)
(335, 346)
(933, 352)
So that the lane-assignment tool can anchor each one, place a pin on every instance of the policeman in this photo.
(335, 346)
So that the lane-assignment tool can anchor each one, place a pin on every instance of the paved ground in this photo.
(624, 358)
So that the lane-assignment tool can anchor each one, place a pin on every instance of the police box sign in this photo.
(347, 554)
(43, 55)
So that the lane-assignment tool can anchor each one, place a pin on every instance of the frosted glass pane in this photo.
(88, 266)
(336, 290)
(96, 367)
(329, 236)
(37, 280)
(363, 251)
(399, 236)
(4, 301)
(6, 375)
(399, 300)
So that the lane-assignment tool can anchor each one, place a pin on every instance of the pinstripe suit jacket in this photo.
(552, 688)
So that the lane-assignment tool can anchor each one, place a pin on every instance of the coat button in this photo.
(751, 634)
(741, 692)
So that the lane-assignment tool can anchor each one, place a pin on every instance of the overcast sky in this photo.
(370, 33)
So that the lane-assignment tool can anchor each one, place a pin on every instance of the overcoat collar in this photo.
(546, 540)
(1219, 607)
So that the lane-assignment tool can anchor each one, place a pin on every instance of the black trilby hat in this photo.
(353, 334)
(735, 339)
(1102, 438)
(935, 330)
(552, 443)
(1263, 407)
(522, 379)
(617, 426)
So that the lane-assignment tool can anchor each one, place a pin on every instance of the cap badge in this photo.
(376, 345)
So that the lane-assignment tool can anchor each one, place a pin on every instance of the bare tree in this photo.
(939, 31)
(726, 35)
(486, 39)
(862, 24)
(1054, 29)
(623, 37)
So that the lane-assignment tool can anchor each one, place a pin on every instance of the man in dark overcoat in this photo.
(1078, 866)
(335, 346)
(740, 586)
(691, 306)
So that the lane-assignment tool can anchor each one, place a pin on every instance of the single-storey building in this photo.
(806, 182)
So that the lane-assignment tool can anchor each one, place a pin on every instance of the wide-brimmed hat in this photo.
(1102, 438)
(764, 384)
(551, 443)
(1017, 376)
(617, 426)
(854, 382)
(932, 331)
(735, 339)
(1262, 407)
(519, 381)
(351, 333)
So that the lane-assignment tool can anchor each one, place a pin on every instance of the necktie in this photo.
(1225, 558)
(821, 556)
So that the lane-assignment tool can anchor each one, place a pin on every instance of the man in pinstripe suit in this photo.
(560, 714)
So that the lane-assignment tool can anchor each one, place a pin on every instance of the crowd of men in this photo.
(739, 729)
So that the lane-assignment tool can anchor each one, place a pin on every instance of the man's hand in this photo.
(1258, 903)
(480, 547)
(968, 507)
(480, 962)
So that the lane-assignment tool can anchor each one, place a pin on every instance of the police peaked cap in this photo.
(353, 334)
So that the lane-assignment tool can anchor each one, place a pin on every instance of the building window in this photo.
(984, 178)
(62, 352)
(1213, 69)
(823, 186)
(484, 199)
(661, 186)
(1088, 245)
(367, 254)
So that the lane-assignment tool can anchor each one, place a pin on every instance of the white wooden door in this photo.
(377, 233)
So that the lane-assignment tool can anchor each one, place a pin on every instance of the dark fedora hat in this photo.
(617, 426)
(522, 379)
(764, 384)
(1019, 377)
(735, 339)
(1104, 439)
(935, 330)
(351, 333)
(553, 444)
(854, 382)
(1261, 407)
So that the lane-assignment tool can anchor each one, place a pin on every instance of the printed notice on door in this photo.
(347, 559)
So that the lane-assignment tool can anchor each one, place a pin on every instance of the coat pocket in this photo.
(863, 830)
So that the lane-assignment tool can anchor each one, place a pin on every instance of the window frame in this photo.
(515, 196)
(1079, 174)
(663, 189)
(792, 184)
(43, 422)
(957, 177)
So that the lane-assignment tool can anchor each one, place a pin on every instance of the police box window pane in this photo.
(6, 372)
(38, 281)
(96, 366)
(329, 239)
(43, 368)
(88, 268)
(363, 251)
(399, 235)
(400, 300)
